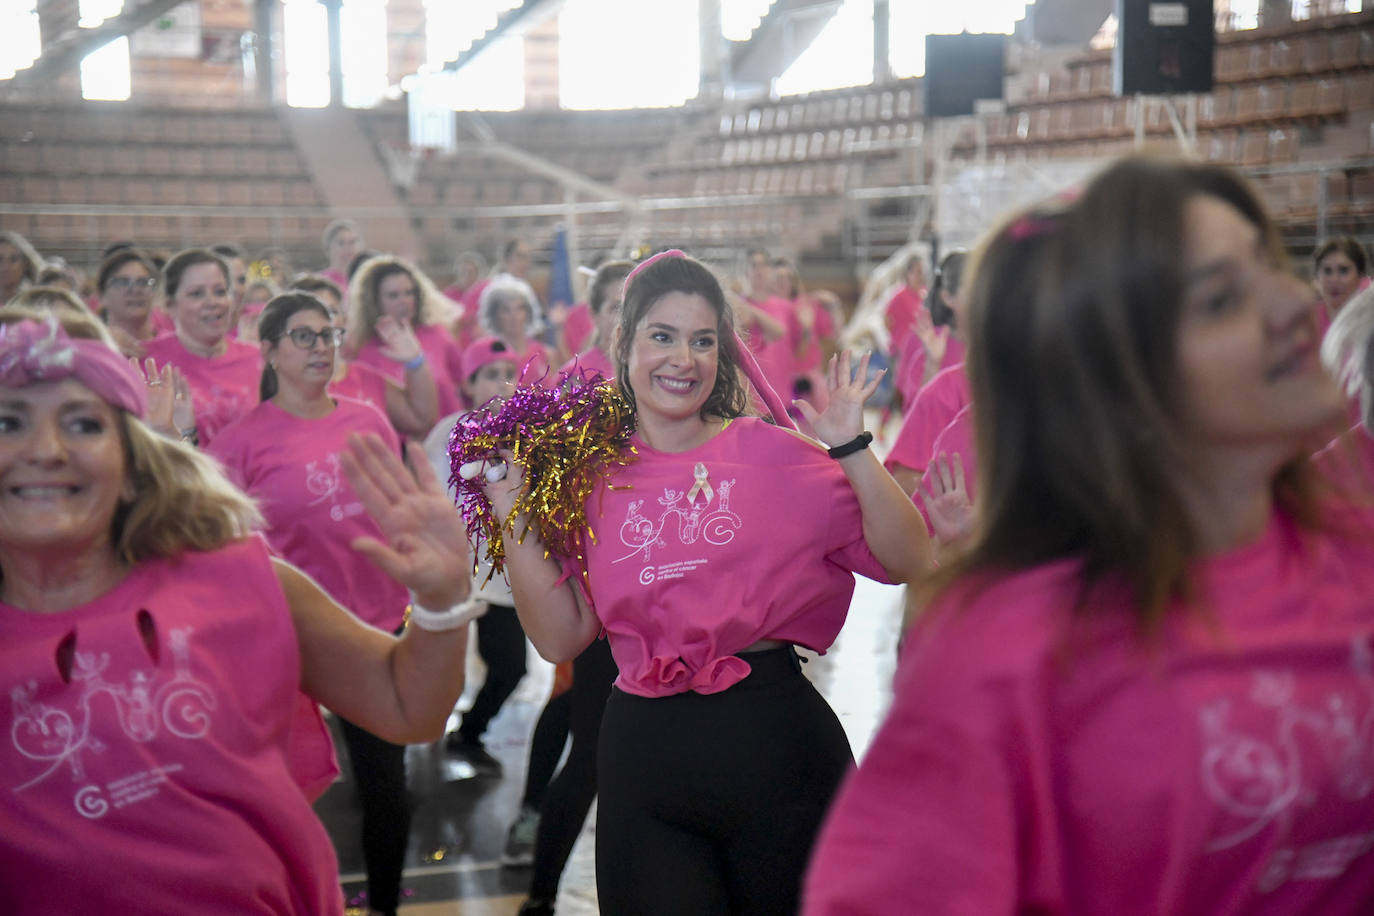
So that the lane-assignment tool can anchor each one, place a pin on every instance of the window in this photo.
(105, 71)
(307, 54)
(611, 55)
(20, 40)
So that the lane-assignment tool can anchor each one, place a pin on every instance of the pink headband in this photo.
(34, 351)
(746, 356)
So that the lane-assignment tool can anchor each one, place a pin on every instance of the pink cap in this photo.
(482, 352)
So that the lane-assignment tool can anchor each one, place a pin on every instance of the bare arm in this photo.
(401, 690)
(892, 526)
(553, 614)
(414, 409)
(752, 316)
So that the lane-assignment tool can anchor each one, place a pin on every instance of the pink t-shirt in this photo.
(472, 296)
(338, 278)
(593, 359)
(955, 439)
(361, 383)
(535, 366)
(900, 314)
(155, 778)
(578, 327)
(698, 555)
(466, 330)
(1348, 463)
(911, 369)
(223, 388)
(774, 356)
(290, 465)
(444, 358)
(809, 354)
(936, 405)
(1037, 762)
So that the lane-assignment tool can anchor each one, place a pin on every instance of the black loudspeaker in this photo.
(961, 69)
(1163, 48)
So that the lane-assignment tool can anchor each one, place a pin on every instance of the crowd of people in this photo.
(1138, 669)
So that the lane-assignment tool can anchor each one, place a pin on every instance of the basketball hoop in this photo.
(403, 163)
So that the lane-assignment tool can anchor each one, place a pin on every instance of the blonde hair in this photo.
(1348, 351)
(181, 499)
(364, 296)
(61, 302)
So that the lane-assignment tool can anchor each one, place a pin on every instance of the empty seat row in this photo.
(56, 158)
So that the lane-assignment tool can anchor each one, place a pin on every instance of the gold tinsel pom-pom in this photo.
(565, 439)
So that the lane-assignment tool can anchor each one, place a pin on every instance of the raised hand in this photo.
(169, 398)
(848, 389)
(425, 546)
(398, 339)
(946, 499)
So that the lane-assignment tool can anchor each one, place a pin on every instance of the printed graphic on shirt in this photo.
(324, 481)
(692, 512)
(146, 703)
(1268, 780)
(221, 406)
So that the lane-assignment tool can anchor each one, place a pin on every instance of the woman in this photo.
(222, 372)
(412, 407)
(285, 454)
(721, 545)
(19, 265)
(126, 283)
(1340, 267)
(342, 241)
(604, 297)
(941, 399)
(1146, 686)
(154, 650)
(390, 300)
(509, 310)
(810, 334)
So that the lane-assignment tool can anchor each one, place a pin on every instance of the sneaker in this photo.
(474, 753)
(519, 852)
(536, 908)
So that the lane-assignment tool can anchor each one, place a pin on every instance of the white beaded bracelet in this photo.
(440, 621)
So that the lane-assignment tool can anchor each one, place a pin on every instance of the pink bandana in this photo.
(34, 351)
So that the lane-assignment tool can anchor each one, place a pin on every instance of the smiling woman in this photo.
(154, 650)
(286, 453)
(222, 373)
(721, 544)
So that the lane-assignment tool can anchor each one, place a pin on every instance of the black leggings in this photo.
(571, 792)
(501, 644)
(547, 741)
(711, 803)
(379, 770)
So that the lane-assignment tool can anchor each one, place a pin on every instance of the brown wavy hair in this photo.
(1074, 312)
(729, 397)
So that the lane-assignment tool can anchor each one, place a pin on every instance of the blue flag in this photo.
(560, 273)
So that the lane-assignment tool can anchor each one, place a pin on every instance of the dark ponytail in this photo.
(948, 276)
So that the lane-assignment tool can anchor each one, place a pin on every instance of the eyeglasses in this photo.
(305, 338)
(130, 283)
